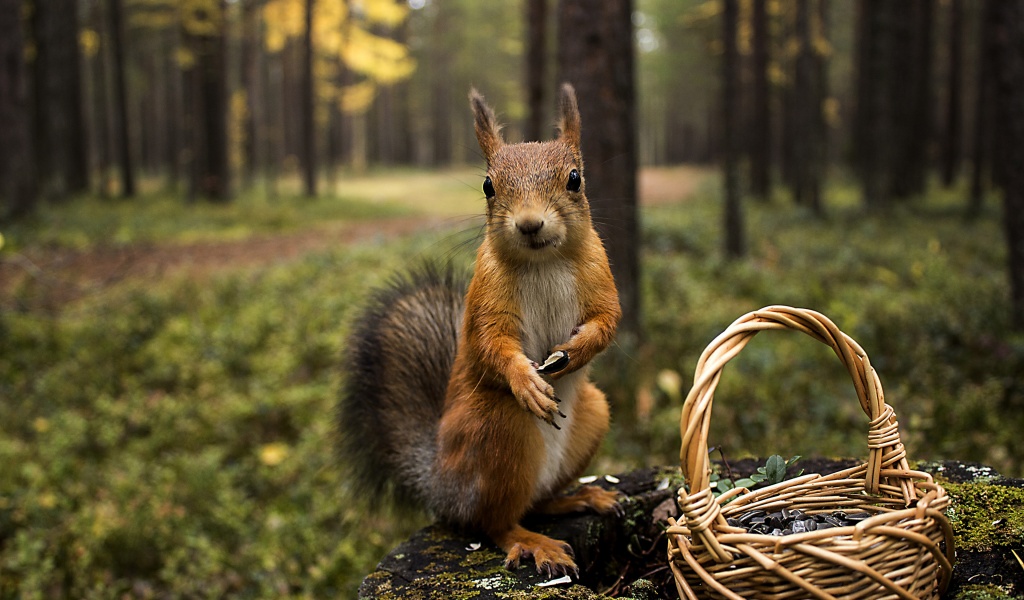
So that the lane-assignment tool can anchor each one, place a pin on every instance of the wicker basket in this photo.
(904, 550)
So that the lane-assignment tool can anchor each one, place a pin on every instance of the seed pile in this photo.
(786, 521)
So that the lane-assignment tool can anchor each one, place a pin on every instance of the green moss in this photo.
(984, 516)
(576, 592)
(981, 592)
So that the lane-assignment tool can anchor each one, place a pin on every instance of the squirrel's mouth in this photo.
(540, 243)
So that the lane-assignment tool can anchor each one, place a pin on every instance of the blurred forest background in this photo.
(196, 195)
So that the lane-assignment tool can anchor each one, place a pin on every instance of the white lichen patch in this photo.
(496, 582)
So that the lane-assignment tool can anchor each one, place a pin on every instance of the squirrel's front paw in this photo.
(536, 395)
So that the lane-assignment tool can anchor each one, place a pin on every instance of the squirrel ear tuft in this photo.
(488, 132)
(569, 121)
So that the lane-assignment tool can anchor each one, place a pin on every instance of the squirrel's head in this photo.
(536, 207)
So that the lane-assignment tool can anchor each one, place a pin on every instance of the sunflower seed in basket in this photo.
(790, 521)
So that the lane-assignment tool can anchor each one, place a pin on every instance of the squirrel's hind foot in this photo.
(599, 500)
(553, 557)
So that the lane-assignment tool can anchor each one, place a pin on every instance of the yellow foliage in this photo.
(284, 19)
(154, 4)
(384, 60)
(357, 98)
(185, 58)
(822, 46)
(201, 17)
(152, 20)
(274, 453)
(238, 112)
(830, 110)
(89, 41)
(330, 23)
(385, 12)
(341, 34)
(326, 91)
(702, 13)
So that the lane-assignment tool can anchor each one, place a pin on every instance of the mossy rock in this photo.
(615, 554)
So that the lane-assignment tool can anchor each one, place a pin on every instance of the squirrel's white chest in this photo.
(549, 309)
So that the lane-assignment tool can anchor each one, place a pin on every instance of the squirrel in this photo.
(445, 403)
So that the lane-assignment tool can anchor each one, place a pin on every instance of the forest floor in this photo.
(65, 274)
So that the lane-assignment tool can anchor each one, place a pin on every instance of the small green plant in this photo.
(774, 471)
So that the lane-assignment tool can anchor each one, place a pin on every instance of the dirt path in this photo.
(59, 276)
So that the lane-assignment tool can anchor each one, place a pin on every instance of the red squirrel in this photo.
(445, 403)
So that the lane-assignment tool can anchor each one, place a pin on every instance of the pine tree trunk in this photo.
(308, 106)
(806, 135)
(981, 153)
(101, 118)
(760, 151)
(595, 54)
(441, 92)
(17, 178)
(951, 141)
(883, 50)
(121, 132)
(1009, 108)
(208, 115)
(252, 50)
(918, 106)
(61, 154)
(173, 119)
(536, 60)
(735, 244)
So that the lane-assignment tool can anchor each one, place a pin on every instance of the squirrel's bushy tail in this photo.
(398, 360)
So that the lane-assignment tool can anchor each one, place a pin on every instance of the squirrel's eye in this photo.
(488, 188)
(574, 181)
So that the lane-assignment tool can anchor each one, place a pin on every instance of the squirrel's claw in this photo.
(536, 395)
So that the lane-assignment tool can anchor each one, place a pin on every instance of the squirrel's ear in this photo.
(569, 121)
(488, 133)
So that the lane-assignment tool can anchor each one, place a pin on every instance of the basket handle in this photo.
(885, 451)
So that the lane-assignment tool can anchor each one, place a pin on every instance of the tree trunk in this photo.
(951, 141)
(252, 51)
(863, 95)
(981, 153)
(208, 113)
(100, 109)
(595, 54)
(915, 108)
(441, 92)
(1009, 108)
(121, 131)
(17, 179)
(536, 60)
(883, 130)
(735, 244)
(760, 151)
(806, 134)
(61, 155)
(308, 106)
(401, 128)
(173, 121)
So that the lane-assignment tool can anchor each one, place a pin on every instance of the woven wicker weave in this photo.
(904, 550)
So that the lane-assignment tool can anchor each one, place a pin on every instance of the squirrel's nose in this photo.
(529, 225)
